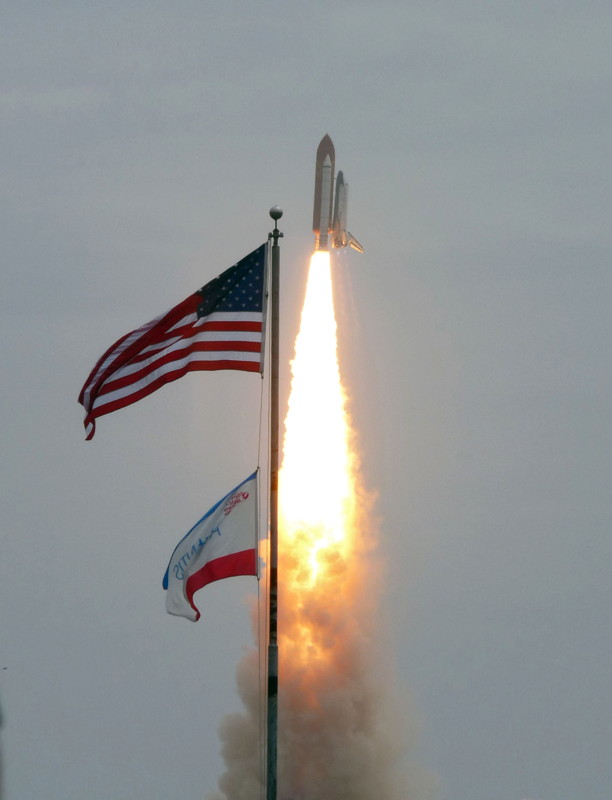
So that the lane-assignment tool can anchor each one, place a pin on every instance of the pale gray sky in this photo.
(142, 146)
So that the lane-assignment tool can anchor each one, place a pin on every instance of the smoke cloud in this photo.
(345, 729)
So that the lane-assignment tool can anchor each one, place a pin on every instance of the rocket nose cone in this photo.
(326, 146)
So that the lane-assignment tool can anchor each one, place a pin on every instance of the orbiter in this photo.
(329, 218)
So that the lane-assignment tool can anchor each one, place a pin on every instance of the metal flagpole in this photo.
(272, 727)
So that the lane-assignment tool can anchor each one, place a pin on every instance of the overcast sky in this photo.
(142, 146)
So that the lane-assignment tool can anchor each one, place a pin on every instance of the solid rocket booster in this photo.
(329, 217)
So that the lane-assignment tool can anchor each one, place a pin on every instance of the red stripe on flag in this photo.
(177, 355)
(144, 391)
(242, 563)
(236, 325)
(188, 332)
(121, 353)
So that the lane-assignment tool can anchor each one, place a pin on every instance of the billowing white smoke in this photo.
(344, 730)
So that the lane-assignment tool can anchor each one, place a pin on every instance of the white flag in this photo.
(222, 544)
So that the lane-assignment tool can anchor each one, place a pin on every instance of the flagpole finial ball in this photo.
(276, 212)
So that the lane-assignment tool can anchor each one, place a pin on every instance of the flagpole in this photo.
(272, 726)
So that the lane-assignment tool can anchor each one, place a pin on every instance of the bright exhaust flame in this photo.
(337, 737)
(316, 494)
(340, 736)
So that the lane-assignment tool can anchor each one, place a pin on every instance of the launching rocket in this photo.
(329, 212)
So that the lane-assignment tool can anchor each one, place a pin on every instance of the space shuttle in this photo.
(329, 212)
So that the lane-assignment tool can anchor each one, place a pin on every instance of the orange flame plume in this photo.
(317, 495)
(328, 743)
(339, 737)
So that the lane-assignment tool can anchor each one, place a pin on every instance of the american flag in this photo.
(218, 327)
